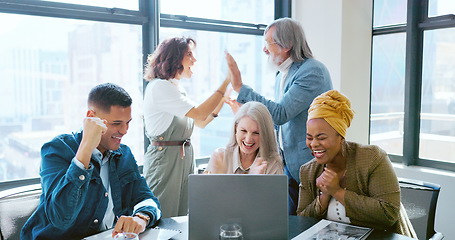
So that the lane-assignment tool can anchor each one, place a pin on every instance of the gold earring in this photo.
(343, 149)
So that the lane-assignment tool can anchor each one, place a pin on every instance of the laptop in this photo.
(258, 203)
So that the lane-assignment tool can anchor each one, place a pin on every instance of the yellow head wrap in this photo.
(334, 108)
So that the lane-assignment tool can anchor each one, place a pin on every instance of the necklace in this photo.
(173, 83)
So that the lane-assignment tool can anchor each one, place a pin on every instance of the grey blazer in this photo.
(305, 81)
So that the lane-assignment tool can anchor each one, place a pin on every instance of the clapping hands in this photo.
(328, 182)
(258, 167)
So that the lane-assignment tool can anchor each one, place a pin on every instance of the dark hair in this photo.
(106, 95)
(167, 59)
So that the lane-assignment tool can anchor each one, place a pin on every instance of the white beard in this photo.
(271, 64)
(274, 62)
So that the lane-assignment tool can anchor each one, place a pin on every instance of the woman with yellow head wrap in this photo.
(334, 108)
(347, 181)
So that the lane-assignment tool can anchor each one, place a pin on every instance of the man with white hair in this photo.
(299, 80)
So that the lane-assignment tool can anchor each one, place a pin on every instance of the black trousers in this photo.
(293, 189)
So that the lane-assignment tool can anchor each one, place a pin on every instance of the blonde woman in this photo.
(252, 147)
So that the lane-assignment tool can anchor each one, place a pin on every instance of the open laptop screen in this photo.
(258, 203)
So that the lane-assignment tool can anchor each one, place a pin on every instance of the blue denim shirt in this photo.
(304, 82)
(74, 200)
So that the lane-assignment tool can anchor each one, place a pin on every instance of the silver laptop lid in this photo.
(258, 203)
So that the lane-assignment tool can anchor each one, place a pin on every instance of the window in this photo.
(437, 124)
(389, 12)
(218, 26)
(46, 77)
(251, 11)
(440, 7)
(413, 85)
(387, 92)
(125, 4)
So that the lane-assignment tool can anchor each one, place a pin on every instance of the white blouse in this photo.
(337, 212)
(164, 99)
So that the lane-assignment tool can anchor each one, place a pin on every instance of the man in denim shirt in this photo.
(300, 79)
(90, 180)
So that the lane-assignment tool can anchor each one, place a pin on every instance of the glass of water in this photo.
(126, 236)
(231, 231)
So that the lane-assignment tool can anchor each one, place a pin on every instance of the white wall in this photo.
(339, 34)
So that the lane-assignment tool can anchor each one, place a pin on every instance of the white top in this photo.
(337, 212)
(164, 99)
(284, 69)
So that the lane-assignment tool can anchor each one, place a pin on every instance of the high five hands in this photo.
(236, 78)
(236, 82)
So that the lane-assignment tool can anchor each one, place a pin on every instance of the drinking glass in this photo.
(126, 236)
(231, 231)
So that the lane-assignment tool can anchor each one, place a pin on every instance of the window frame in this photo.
(417, 23)
(148, 16)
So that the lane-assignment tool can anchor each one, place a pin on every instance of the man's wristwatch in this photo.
(142, 216)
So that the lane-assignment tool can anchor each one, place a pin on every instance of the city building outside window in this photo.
(50, 59)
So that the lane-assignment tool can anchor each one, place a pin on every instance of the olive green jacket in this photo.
(372, 196)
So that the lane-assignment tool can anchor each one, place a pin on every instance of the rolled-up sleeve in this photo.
(149, 207)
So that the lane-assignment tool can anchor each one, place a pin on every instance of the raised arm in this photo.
(201, 112)
(304, 88)
(64, 180)
(94, 128)
(305, 81)
(236, 77)
(64, 183)
(213, 115)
